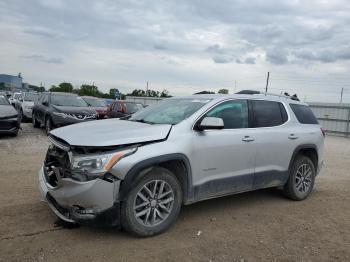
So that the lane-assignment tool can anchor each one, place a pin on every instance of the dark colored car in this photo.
(98, 104)
(56, 109)
(121, 108)
(9, 123)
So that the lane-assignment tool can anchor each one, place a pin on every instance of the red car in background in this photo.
(98, 104)
(122, 108)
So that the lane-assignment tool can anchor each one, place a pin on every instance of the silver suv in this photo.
(138, 172)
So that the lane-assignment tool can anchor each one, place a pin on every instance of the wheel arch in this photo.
(177, 163)
(309, 150)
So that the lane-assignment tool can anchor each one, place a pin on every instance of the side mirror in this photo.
(45, 103)
(21, 99)
(211, 123)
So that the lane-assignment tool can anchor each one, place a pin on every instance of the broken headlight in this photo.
(97, 165)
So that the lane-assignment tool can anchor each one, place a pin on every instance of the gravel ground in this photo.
(256, 226)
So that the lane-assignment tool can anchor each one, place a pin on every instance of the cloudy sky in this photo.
(182, 46)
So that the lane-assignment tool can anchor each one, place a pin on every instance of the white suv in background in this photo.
(137, 173)
(25, 104)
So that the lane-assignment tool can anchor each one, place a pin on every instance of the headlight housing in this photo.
(98, 164)
(60, 114)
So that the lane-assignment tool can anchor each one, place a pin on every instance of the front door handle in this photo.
(247, 139)
(292, 136)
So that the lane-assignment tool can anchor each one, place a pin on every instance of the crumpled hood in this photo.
(75, 109)
(7, 110)
(110, 132)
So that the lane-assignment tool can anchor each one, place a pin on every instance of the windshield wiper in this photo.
(142, 121)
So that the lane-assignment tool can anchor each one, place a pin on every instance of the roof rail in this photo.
(254, 92)
(285, 95)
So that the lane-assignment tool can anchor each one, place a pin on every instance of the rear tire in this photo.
(35, 122)
(301, 179)
(153, 204)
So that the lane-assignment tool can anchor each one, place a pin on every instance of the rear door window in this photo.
(304, 114)
(45, 99)
(268, 113)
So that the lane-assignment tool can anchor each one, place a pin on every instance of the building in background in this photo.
(11, 82)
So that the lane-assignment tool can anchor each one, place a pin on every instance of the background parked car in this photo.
(121, 108)
(15, 98)
(98, 104)
(9, 123)
(24, 105)
(7, 94)
(56, 109)
(109, 101)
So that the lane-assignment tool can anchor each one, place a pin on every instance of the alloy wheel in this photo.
(303, 178)
(153, 203)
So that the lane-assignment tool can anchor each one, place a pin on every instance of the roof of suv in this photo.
(270, 97)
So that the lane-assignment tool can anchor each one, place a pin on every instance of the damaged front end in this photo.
(77, 184)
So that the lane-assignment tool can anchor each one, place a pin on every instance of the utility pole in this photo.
(341, 95)
(267, 81)
(147, 89)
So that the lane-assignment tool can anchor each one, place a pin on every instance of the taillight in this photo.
(323, 132)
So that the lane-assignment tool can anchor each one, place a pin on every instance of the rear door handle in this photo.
(247, 139)
(292, 136)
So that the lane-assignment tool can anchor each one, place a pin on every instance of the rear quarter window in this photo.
(304, 114)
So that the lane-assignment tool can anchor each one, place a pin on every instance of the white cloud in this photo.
(184, 46)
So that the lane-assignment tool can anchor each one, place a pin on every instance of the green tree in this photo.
(89, 90)
(66, 87)
(204, 92)
(2, 86)
(63, 87)
(111, 93)
(149, 93)
(54, 88)
(138, 92)
(37, 88)
(164, 93)
(223, 91)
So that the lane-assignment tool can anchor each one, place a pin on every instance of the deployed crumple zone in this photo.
(136, 173)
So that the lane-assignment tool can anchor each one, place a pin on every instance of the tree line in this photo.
(92, 90)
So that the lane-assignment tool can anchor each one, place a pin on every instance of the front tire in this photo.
(301, 179)
(48, 125)
(35, 122)
(153, 204)
(22, 117)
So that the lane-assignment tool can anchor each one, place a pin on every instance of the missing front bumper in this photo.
(88, 203)
(107, 218)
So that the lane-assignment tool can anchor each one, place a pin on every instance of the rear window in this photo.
(304, 114)
(31, 97)
(132, 107)
(268, 113)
